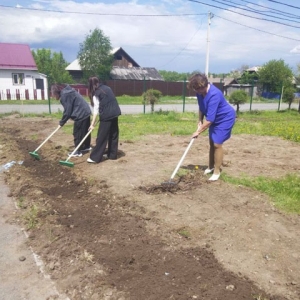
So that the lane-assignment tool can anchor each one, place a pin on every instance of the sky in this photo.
(171, 35)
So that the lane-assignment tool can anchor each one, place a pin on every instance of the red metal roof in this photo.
(16, 56)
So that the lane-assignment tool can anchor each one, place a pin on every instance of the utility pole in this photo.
(210, 16)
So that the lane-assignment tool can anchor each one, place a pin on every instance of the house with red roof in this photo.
(19, 76)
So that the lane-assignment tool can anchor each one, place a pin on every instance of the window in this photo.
(18, 78)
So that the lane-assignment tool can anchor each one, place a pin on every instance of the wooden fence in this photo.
(119, 87)
(137, 87)
(16, 94)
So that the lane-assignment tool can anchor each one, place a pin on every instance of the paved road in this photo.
(136, 109)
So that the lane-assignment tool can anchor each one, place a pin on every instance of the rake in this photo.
(171, 182)
(67, 162)
(34, 153)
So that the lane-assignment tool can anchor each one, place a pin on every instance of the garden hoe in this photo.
(34, 154)
(70, 164)
(170, 182)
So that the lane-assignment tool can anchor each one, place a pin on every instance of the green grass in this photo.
(285, 192)
(122, 100)
(138, 100)
(20, 102)
(284, 124)
(184, 233)
(31, 217)
(133, 127)
(134, 100)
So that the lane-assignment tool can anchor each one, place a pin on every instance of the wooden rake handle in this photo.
(89, 132)
(47, 139)
(182, 158)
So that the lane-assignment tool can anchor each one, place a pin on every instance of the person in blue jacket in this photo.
(216, 115)
(77, 109)
(105, 105)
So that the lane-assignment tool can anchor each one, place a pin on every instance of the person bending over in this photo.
(216, 115)
(105, 105)
(77, 109)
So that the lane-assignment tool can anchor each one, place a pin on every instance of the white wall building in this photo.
(19, 77)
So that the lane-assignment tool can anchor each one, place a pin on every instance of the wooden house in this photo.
(124, 68)
(224, 84)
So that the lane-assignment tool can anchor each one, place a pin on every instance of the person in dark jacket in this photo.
(78, 110)
(105, 105)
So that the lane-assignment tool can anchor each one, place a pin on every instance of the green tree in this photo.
(95, 57)
(297, 76)
(288, 95)
(297, 82)
(151, 96)
(237, 73)
(173, 76)
(237, 98)
(53, 65)
(218, 75)
(275, 74)
(248, 78)
(59, 73)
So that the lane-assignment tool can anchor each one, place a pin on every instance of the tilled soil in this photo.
(121, 230)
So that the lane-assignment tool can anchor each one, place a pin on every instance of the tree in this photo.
(151, 96)
(95, 57)
(275, 74)
(297, 81)
(288, 95)
(248, 78)
(173, 76)
(235, 74)
(58, 69)
(237, 98)
(53, 65)
(218, 75)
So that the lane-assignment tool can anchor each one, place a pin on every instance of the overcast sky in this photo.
(164, 34)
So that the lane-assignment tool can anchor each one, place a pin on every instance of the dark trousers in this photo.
(108, 133)
(80, 129)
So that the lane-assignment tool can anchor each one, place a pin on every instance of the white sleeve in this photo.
(96, 105)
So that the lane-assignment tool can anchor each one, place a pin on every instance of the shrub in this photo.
(237, 98)
(151, 96)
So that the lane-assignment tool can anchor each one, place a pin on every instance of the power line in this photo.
(269, 10)
(298, 40)
(284, 4)
(99, 14)
(272, 9)
(252, 10)
(169, 15)
(155, 15)
(252, 17)
(183, 48)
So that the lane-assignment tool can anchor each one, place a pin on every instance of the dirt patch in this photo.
(115, 231)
